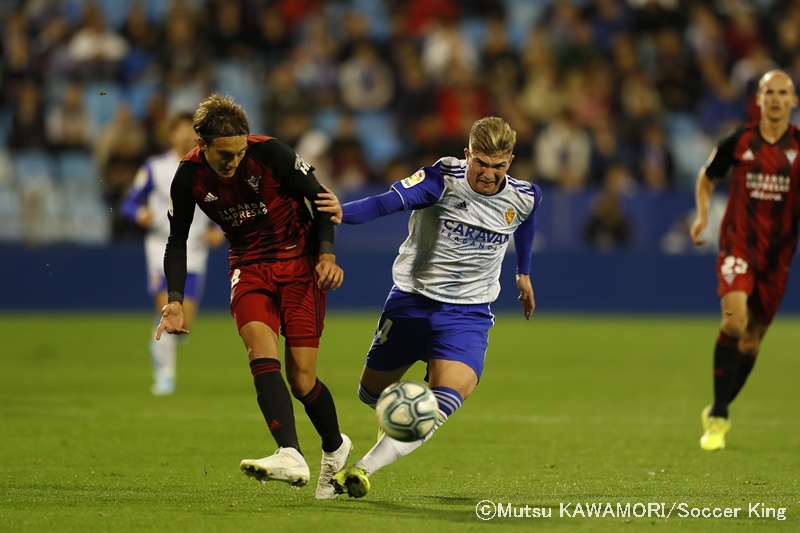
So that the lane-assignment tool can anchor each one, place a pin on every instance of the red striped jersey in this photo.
(262, 209)
(761, 219)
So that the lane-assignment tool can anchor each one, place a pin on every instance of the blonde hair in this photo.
(492, 135)
(220, 116)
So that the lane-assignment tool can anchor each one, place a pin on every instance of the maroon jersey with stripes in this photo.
(760, 223)
(262, 209)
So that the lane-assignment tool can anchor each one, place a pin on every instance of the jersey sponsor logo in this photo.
(767, 186)
(301, 165)
(791, 155)
(510, 215)
(748, 155)
(465, 234)
(241, 213)
(462, 206)
(413, 179)
(254, 182)
(210, 198)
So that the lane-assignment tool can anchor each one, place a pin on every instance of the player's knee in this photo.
(734, 326)
(366, 396)
(301, 383)
(257, 353)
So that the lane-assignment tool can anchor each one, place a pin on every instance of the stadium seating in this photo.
(378, 135)
(101, 100)
(86, 218)
(10, 227)
(41, 206)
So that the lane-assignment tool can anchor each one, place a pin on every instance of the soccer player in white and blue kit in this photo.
(146, 203)
(446, 275)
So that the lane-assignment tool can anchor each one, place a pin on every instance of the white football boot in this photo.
(331, 463)
(287, 465)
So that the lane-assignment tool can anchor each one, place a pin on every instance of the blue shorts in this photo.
(415, 328)
(193, 288)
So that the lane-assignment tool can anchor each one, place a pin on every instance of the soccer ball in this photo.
(407, 410)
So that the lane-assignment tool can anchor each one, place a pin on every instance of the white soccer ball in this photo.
(407, 410)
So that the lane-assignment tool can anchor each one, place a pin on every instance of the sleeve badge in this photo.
(413, 179)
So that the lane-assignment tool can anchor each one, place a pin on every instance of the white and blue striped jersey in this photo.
(152, 187)
(457, 237)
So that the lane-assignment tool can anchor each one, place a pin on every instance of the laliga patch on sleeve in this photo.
(171, 209)
(301, 165)
(413, 179)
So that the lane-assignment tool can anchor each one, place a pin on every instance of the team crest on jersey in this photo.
(413, 179)
(791, 155)
(254, 182)
(510, 215)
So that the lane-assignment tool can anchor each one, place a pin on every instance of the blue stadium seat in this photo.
(10, 227)
(140, 94)
(42, 203)
(378, 136)
(185, 97)
(73, 9)
(32, 167)
(87, 219)
(101, 100)
(474, 29)
(522, 15)
(115, 12)
(245, 84)
(326, 119)
(77, 170)
(157, 10)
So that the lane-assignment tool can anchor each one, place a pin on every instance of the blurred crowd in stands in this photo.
(617, 97)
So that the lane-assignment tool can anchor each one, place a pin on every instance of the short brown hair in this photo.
(220, 116)
(492, 135)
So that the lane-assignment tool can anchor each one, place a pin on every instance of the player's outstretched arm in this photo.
(366, 209)
(171, 320)
(330, 275)
(526, 295)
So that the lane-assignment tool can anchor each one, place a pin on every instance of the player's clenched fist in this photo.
(330, 274)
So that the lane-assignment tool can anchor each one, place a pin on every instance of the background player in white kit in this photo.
(445, 277)
(146, 203)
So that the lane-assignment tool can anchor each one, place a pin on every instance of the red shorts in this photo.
(284, 296)
(764, 291)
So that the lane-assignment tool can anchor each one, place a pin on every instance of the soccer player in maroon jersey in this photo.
(757, 239)
(282, 261)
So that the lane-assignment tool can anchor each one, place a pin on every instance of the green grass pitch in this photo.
(571, 409)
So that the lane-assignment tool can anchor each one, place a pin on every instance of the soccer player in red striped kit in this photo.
(282, 260)
(757, 239)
